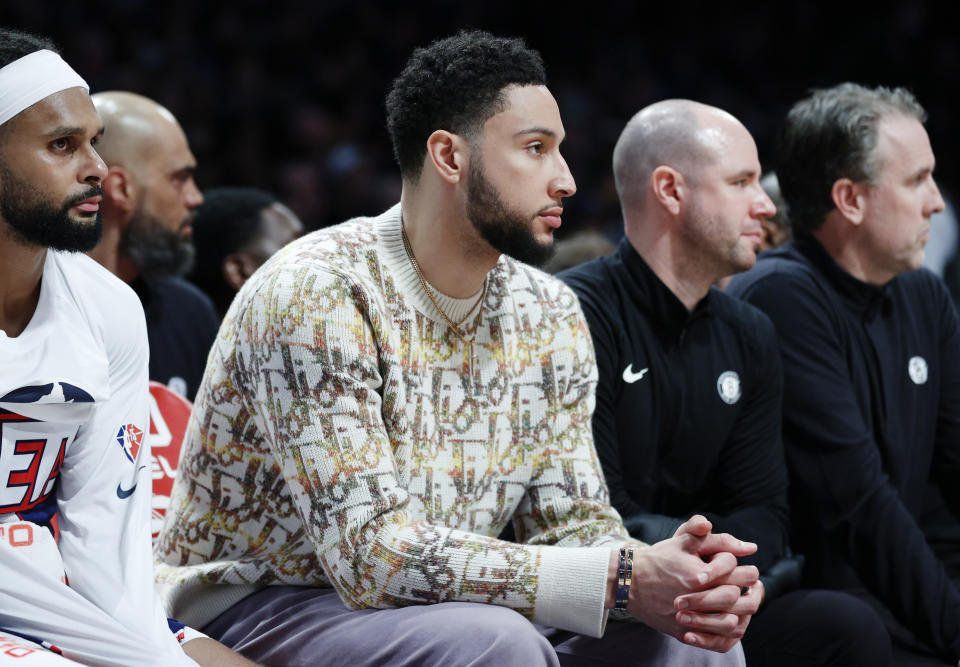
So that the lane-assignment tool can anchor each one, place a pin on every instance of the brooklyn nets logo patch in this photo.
(728, 386)
(917, 370)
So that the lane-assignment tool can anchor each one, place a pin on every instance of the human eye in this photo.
(535, 148)
(61, 144)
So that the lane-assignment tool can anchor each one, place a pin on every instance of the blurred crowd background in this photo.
(288, 96)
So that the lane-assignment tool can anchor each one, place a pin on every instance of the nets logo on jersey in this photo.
(129, 438)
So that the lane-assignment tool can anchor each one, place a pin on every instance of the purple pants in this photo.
(293, 625)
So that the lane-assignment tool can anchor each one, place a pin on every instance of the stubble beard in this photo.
(706, 233)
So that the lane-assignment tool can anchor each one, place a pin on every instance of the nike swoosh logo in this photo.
(124, 494)
(630, 377)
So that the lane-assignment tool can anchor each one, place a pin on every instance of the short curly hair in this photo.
(829, 135)
(454, 84)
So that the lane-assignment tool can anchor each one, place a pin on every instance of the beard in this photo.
(716, 245)
(155, 250)
(507, 231)
(36, 220)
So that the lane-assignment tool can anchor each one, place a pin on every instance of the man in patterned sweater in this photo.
(384, 396)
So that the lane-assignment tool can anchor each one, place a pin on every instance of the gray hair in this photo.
(829, 135)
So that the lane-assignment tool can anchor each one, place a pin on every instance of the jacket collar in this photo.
(667, 314)
(862, 297)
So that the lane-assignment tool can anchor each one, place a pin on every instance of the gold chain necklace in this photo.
(426, 288)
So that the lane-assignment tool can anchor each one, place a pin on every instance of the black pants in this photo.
(908, 649)
(817, 627)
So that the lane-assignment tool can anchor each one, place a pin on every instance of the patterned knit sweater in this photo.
(344, 436)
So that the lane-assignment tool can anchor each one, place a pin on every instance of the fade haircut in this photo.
(829, 135)
(454, 84)
(14, 45)
(228, 220)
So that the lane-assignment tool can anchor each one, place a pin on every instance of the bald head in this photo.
(149, 194)
(681, 134)
(134, 128)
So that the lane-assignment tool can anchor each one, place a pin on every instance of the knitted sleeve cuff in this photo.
(572, 589)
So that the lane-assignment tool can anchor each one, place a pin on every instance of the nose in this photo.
(935, 204)
(563, 184)
(763, 207)
(93, 169)
(192, 195)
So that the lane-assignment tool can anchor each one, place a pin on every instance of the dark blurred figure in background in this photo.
(941, 255)
(264, 107)
(776, 228)
(149, 202)
(235, 231)
(577, 249)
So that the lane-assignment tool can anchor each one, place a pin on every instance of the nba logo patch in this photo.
(129, 437)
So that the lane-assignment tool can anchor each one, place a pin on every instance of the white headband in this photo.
(26, 81)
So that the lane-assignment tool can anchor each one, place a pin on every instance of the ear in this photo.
(448, 154)
(669, 188)
(119, 190)
(849, 199)
(236, 268)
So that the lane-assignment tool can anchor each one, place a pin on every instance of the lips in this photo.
(551, 216)
(90, 205)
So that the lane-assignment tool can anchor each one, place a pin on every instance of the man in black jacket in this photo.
(149, 204)
(871, 355)
(689, 395)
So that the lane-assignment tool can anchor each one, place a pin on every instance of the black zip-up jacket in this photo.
(688, 406)
(871, 430)
(181, 327)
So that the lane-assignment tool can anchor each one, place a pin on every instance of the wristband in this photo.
(624, 576)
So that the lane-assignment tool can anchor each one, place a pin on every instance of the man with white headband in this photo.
(73, 393)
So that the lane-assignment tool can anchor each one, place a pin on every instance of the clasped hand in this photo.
(690, 586)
